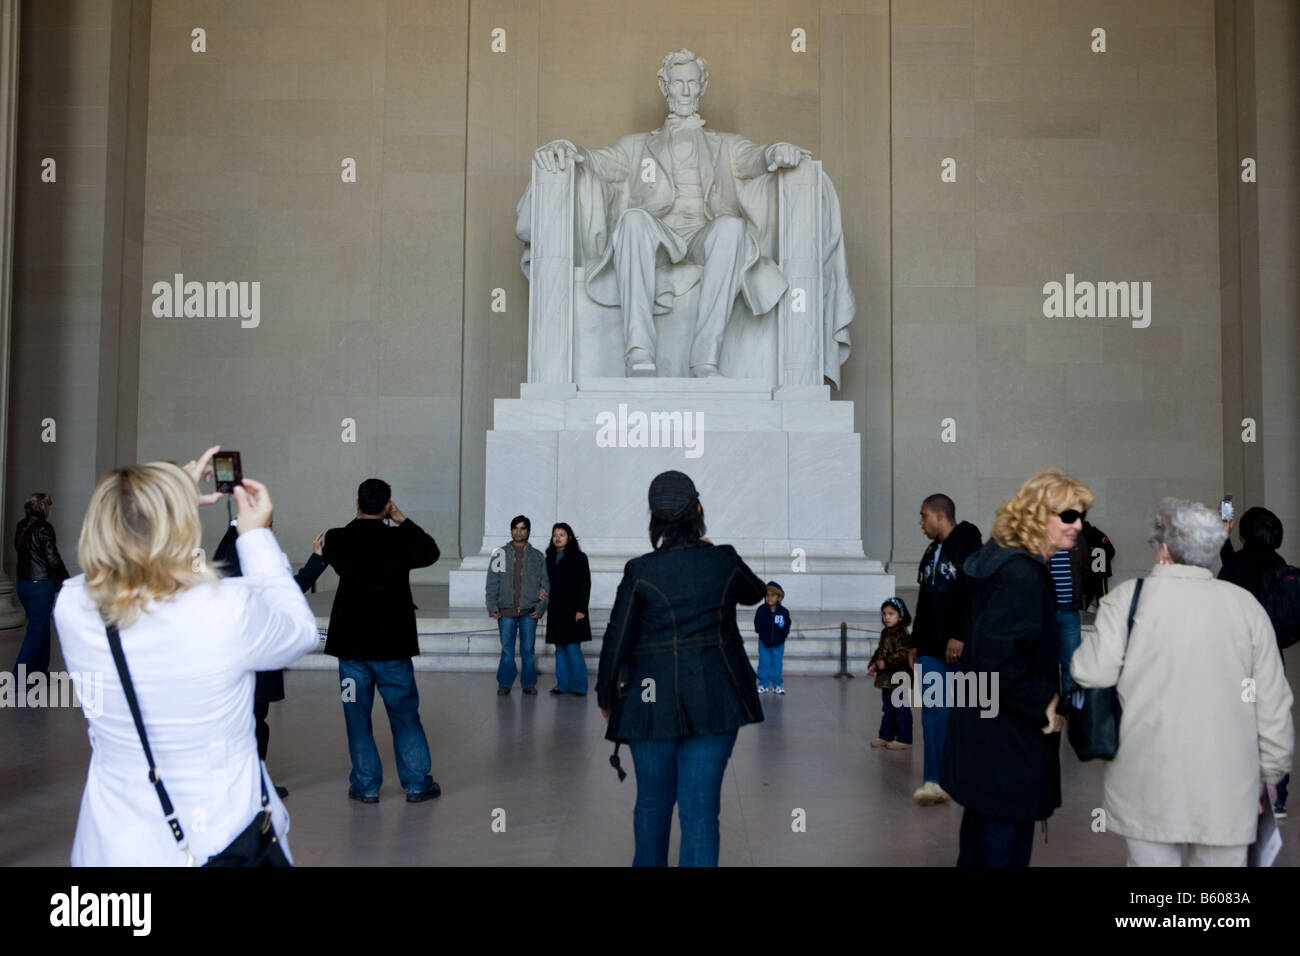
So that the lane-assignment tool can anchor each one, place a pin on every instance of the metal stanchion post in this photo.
(844, 650)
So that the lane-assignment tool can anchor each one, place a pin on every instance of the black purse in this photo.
(257, 845)
(1093, 726)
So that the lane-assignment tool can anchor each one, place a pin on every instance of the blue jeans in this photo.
(1071, 636)
(688, 771)
(934, 719)
(895, 722)
(570, 669)
(769, 665)
(395, 681)
(988, 841)
(526, 628)
(37, 599)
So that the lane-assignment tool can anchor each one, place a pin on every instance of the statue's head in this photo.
(683, 78)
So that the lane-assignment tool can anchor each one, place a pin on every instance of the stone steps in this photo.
(471, 644)
(466, 644)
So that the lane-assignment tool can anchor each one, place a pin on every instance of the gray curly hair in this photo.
(1192, 532)
(678, 58)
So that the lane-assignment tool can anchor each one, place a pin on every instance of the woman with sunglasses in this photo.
(1002, 762)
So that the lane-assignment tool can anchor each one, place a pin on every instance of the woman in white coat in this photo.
(192, 643)
(1207, 709)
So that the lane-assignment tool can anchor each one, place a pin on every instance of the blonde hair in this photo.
(1021, 522)
(140, 539)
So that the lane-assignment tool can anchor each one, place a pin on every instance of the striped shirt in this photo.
(1061, 578)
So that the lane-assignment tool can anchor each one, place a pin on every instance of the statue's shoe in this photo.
(705, 371)
(641, 363)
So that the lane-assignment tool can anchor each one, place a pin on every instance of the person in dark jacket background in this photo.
(1261, 536)
(268, 686)
(39, 573)
(675, 681)
(941, 611)
(372, 633)
(1003, 766)
(568, 622)
(772, 622)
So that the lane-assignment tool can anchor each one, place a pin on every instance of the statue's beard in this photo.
(689, 108)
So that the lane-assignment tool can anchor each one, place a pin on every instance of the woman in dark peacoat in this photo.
(1002, 752)
(675, 681)
(568, 622)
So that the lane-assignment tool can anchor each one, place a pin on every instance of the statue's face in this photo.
(683, 94)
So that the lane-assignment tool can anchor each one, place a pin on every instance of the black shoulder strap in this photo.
(115, 645)
(1132, 610)
(124, 675)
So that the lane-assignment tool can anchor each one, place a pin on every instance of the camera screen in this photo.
(225, 469)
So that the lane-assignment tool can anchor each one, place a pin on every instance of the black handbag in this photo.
(257, 845)
(1093, 726)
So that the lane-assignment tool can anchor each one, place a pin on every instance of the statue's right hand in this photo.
(554, 156)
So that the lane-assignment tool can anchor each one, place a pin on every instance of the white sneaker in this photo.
(930, 793)
(778, 689)
(762, 689)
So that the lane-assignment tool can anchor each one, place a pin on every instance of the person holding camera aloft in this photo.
(190, 643)
(372, 633)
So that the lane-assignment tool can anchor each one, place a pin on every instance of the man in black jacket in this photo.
(372, 633)
(942, 609)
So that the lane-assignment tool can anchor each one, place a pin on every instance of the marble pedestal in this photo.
(777, 471)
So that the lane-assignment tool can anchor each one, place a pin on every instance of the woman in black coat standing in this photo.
(40, 571)
(567, 620)
(1002, 753)
(675, 681)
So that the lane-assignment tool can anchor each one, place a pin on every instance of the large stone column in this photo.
(11, 614)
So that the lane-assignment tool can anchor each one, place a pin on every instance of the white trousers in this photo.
(1146, 853)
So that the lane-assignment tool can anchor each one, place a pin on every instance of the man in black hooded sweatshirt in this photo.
(938, 634)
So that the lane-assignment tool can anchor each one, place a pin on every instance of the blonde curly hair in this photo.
(1021, 521)
(140, 540)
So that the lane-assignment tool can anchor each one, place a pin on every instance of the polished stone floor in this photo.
(544, 762)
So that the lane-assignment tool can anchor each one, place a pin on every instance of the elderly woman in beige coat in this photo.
(1207, 708)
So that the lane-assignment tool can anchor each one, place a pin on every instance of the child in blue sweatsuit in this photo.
(772, 622)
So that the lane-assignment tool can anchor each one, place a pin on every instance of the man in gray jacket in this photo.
(516, 598)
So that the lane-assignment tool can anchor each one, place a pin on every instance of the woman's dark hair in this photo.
(372, 495)
(667, 534)
(571, 546)
(1260, 528)
(38, 505)
(899, 605)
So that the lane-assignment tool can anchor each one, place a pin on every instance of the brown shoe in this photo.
(878, 743)
(897, 745)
